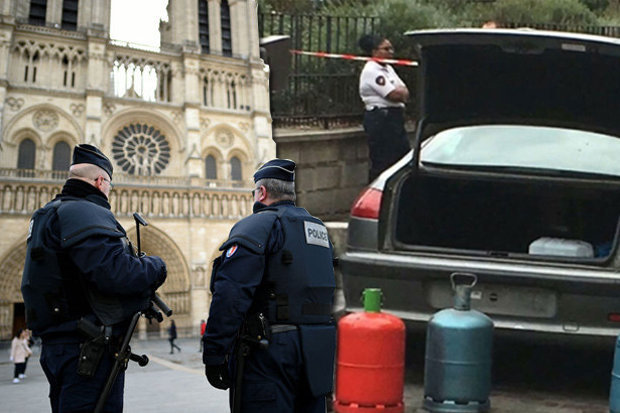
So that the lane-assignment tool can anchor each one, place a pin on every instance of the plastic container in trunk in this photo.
(561, 247)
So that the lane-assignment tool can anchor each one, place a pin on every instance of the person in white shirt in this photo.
(384, 95)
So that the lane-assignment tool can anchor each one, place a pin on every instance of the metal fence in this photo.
(321, 92)
(324, 92)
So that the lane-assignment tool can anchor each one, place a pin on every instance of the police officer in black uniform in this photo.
(273, 287)
(80, 269)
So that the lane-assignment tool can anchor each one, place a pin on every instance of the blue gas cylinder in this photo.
(459, 346)
(614, 391)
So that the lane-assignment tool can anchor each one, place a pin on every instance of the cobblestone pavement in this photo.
(528, 379)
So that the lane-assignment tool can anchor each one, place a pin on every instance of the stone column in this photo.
(191, 63)
(215, 27)
(8, 9)
(53, 14)
(199, 293)
(261, 116)
(184, 23)
(177, 86)
(96, 84)
(253, 37)
(193, 163)
(240, 26)
(6, 33)
(95, 15)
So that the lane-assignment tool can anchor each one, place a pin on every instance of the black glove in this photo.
(218, 376)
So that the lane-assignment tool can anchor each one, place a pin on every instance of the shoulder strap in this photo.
(252, 232)
(80, 219)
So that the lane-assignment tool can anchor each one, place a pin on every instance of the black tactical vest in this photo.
(53, 289)
(298, 283)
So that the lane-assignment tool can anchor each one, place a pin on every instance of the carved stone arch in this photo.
(56, 137)
(240, 140)
(11, 268)
(23, 120)
(25, 133)
(176, 289)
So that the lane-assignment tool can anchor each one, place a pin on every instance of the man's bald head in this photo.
(87, 170)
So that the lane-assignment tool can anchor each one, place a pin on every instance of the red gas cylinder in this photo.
(370, 370)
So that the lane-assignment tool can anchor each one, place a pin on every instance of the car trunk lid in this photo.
(473, 76)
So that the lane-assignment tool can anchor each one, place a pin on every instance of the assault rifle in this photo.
(124, 354)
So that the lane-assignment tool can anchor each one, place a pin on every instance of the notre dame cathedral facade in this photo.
(185, 127)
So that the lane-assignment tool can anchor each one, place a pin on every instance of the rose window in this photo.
(141, 150)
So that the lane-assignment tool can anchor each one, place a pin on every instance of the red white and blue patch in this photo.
(231, 251)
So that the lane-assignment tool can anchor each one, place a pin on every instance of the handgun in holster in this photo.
(257, 330)
(91, 351)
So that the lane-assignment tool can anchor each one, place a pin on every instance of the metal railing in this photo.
(321, 93)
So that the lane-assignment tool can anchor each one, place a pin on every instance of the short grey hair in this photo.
(278, 189)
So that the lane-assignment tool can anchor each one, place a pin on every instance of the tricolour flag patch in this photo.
(231, 251)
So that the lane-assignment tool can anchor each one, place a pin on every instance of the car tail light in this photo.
(367, 204)
(613, 317)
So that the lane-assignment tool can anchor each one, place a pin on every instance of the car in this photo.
(514, 176)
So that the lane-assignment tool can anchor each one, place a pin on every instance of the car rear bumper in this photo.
(525, 296)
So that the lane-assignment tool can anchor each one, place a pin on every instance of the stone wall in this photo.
(332, 168)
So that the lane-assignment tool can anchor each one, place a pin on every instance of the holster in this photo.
(256, 328)
(91, 352)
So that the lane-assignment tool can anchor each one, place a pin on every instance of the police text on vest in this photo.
(316, 234)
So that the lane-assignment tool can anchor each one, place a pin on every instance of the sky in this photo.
(137, 21)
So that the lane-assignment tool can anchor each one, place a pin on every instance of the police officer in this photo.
(273, 287)
(384, 95)
(80, 269)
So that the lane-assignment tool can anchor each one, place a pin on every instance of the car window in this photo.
(525, 147)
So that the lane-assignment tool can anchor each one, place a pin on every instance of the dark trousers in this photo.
(274, 379)
(72, 393)
(173, 346)
(20, 368)
(387, 138)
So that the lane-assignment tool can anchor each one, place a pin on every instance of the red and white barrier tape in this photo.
(400, 62)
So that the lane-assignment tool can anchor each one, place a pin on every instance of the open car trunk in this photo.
(502, 216)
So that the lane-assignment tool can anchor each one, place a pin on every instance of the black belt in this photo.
(281, 328)
(388, 108)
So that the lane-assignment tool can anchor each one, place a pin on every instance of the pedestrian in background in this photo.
(19, 353)
(384, 95)
(273, 289)
(30, 342)
(81, 269)
(172, 335)
(203, 326)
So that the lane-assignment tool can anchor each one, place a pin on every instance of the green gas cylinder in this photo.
(459, 345)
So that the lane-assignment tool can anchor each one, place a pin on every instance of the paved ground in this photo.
(169, 383)
(175, 383)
